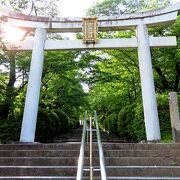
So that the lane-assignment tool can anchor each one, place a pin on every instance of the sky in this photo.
(75, 8)
(174, 1)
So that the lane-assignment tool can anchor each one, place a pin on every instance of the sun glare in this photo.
(12, 34)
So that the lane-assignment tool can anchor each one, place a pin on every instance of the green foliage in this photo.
(10, 128)
(111, 123)
(118, 7)
(131, 120)
(35, 7)
(107, 7)
(51, 123)
(131, 123)
(164, 116)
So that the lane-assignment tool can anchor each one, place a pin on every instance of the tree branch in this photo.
(163, 79)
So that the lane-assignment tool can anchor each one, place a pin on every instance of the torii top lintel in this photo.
(66, 24)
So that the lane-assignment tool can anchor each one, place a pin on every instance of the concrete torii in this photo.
(44, 25)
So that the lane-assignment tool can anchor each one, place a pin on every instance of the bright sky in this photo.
(174, 1)
(75, 8)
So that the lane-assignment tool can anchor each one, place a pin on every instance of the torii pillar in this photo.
(147, 85)
(33, 90)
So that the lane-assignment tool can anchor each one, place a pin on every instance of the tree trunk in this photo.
(176, 83)
(163, 79)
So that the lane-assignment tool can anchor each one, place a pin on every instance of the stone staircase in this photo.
(59, 160)
(75, 136)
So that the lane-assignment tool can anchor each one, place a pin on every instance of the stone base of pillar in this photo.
(174, 113)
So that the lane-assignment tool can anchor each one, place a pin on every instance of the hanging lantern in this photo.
(90, 30)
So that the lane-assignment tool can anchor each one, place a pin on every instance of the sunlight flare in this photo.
(12, 34)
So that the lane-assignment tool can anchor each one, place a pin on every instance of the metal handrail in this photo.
(81, 154)
(90, 150)
(101, 154)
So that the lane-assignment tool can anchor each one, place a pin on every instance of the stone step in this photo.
(79, 140)
(142, 161)
(85, 178)
(69, 136)
(80, 136)
(146, 171)
(39, 146)
(129, 171)
(65, 140)
(76, 146)
(143, 178)
(139, 146)
(38, 170)
(39, 177)
(40, 153)
(142, 153)
(37, 161)
(123, 160)
(75, 153)
(66, 161)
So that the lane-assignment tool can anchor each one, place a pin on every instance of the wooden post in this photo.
(174, 114)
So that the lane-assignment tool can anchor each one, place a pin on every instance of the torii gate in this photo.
(44, 25)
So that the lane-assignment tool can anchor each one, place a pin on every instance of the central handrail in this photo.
(82, 148)
(90, 150)
(101, 154)
(81, 154)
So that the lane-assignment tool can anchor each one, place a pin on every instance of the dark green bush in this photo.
(164, 116)
(51, 123)
(131, 120)
(111, 123)
(10, 129)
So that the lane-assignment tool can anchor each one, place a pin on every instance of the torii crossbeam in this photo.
(44, 25)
